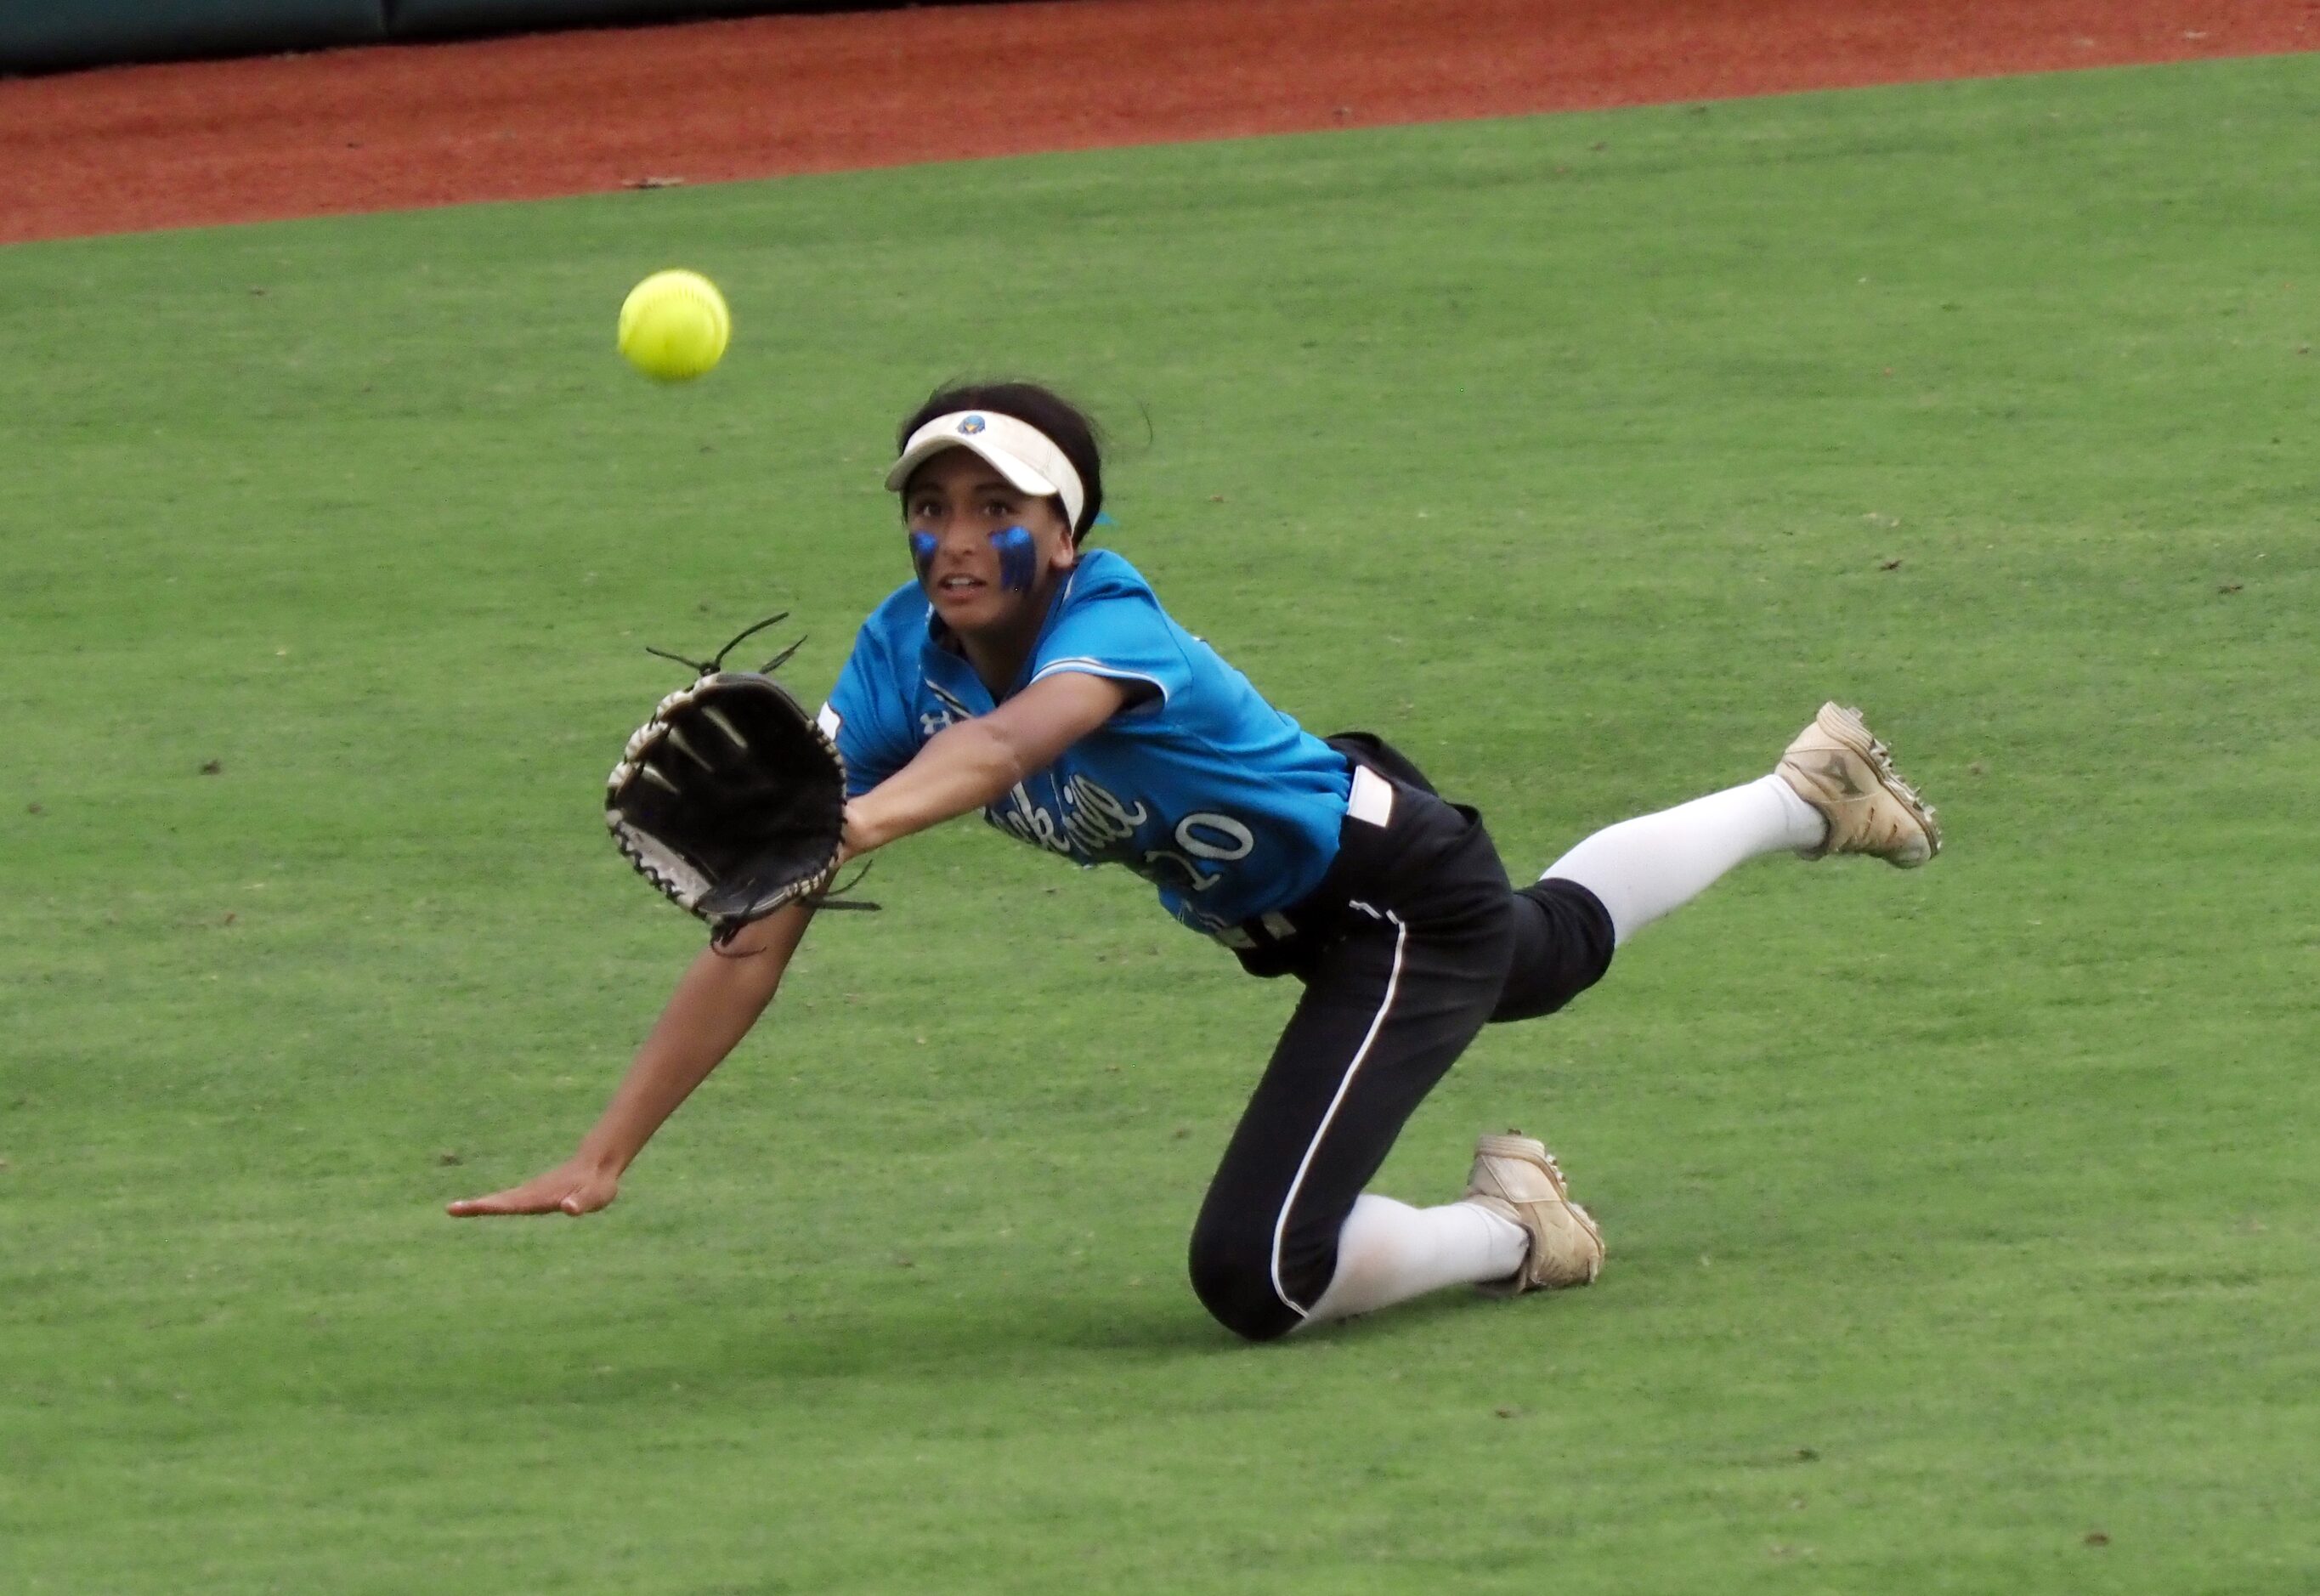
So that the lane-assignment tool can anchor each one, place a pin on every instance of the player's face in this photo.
(959, 501)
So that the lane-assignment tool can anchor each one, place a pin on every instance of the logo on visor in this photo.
(971, 426)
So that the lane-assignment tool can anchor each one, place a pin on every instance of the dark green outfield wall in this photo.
(57, 35)
(42, 35)
(428, 18)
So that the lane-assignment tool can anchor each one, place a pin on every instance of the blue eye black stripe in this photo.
(1017, 558)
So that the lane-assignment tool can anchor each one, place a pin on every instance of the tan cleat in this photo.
(1839, 768)
(1516, 1178)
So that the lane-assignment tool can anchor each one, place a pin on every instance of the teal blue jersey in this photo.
(1220, 800)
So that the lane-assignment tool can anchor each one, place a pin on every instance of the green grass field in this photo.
(1959, 1219)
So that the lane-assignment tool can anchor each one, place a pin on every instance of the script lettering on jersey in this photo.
(1095, 823)
(1098, 826)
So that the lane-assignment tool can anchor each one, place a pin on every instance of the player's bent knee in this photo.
(1233, 1277)
(1564, 943)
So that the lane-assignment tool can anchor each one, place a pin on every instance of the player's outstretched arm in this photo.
(976, 762)
(717, 1001)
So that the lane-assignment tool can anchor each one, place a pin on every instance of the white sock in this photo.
(1644, 868)
(1389, 1252)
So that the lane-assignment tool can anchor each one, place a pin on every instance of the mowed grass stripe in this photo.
(1956, 1216)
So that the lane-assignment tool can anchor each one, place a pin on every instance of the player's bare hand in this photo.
(575, 1187)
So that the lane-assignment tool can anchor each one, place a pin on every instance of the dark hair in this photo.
(1070, 428)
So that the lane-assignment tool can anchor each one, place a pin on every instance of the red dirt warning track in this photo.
(522, 118)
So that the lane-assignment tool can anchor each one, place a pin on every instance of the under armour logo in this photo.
(1841, 773)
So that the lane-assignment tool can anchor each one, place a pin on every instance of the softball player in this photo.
(1029, 676)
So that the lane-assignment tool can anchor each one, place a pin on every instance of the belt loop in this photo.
(1370, 802)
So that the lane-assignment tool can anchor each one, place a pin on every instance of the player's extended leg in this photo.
(1287, 1237)
(1835, 791)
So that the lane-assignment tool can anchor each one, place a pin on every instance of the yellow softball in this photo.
(674, 326)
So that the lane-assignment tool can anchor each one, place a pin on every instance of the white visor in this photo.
(1018, 451)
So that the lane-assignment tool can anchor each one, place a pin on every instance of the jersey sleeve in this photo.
(1117, 629)
(868, 716)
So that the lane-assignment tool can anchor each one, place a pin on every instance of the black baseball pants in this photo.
(1412, 943)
